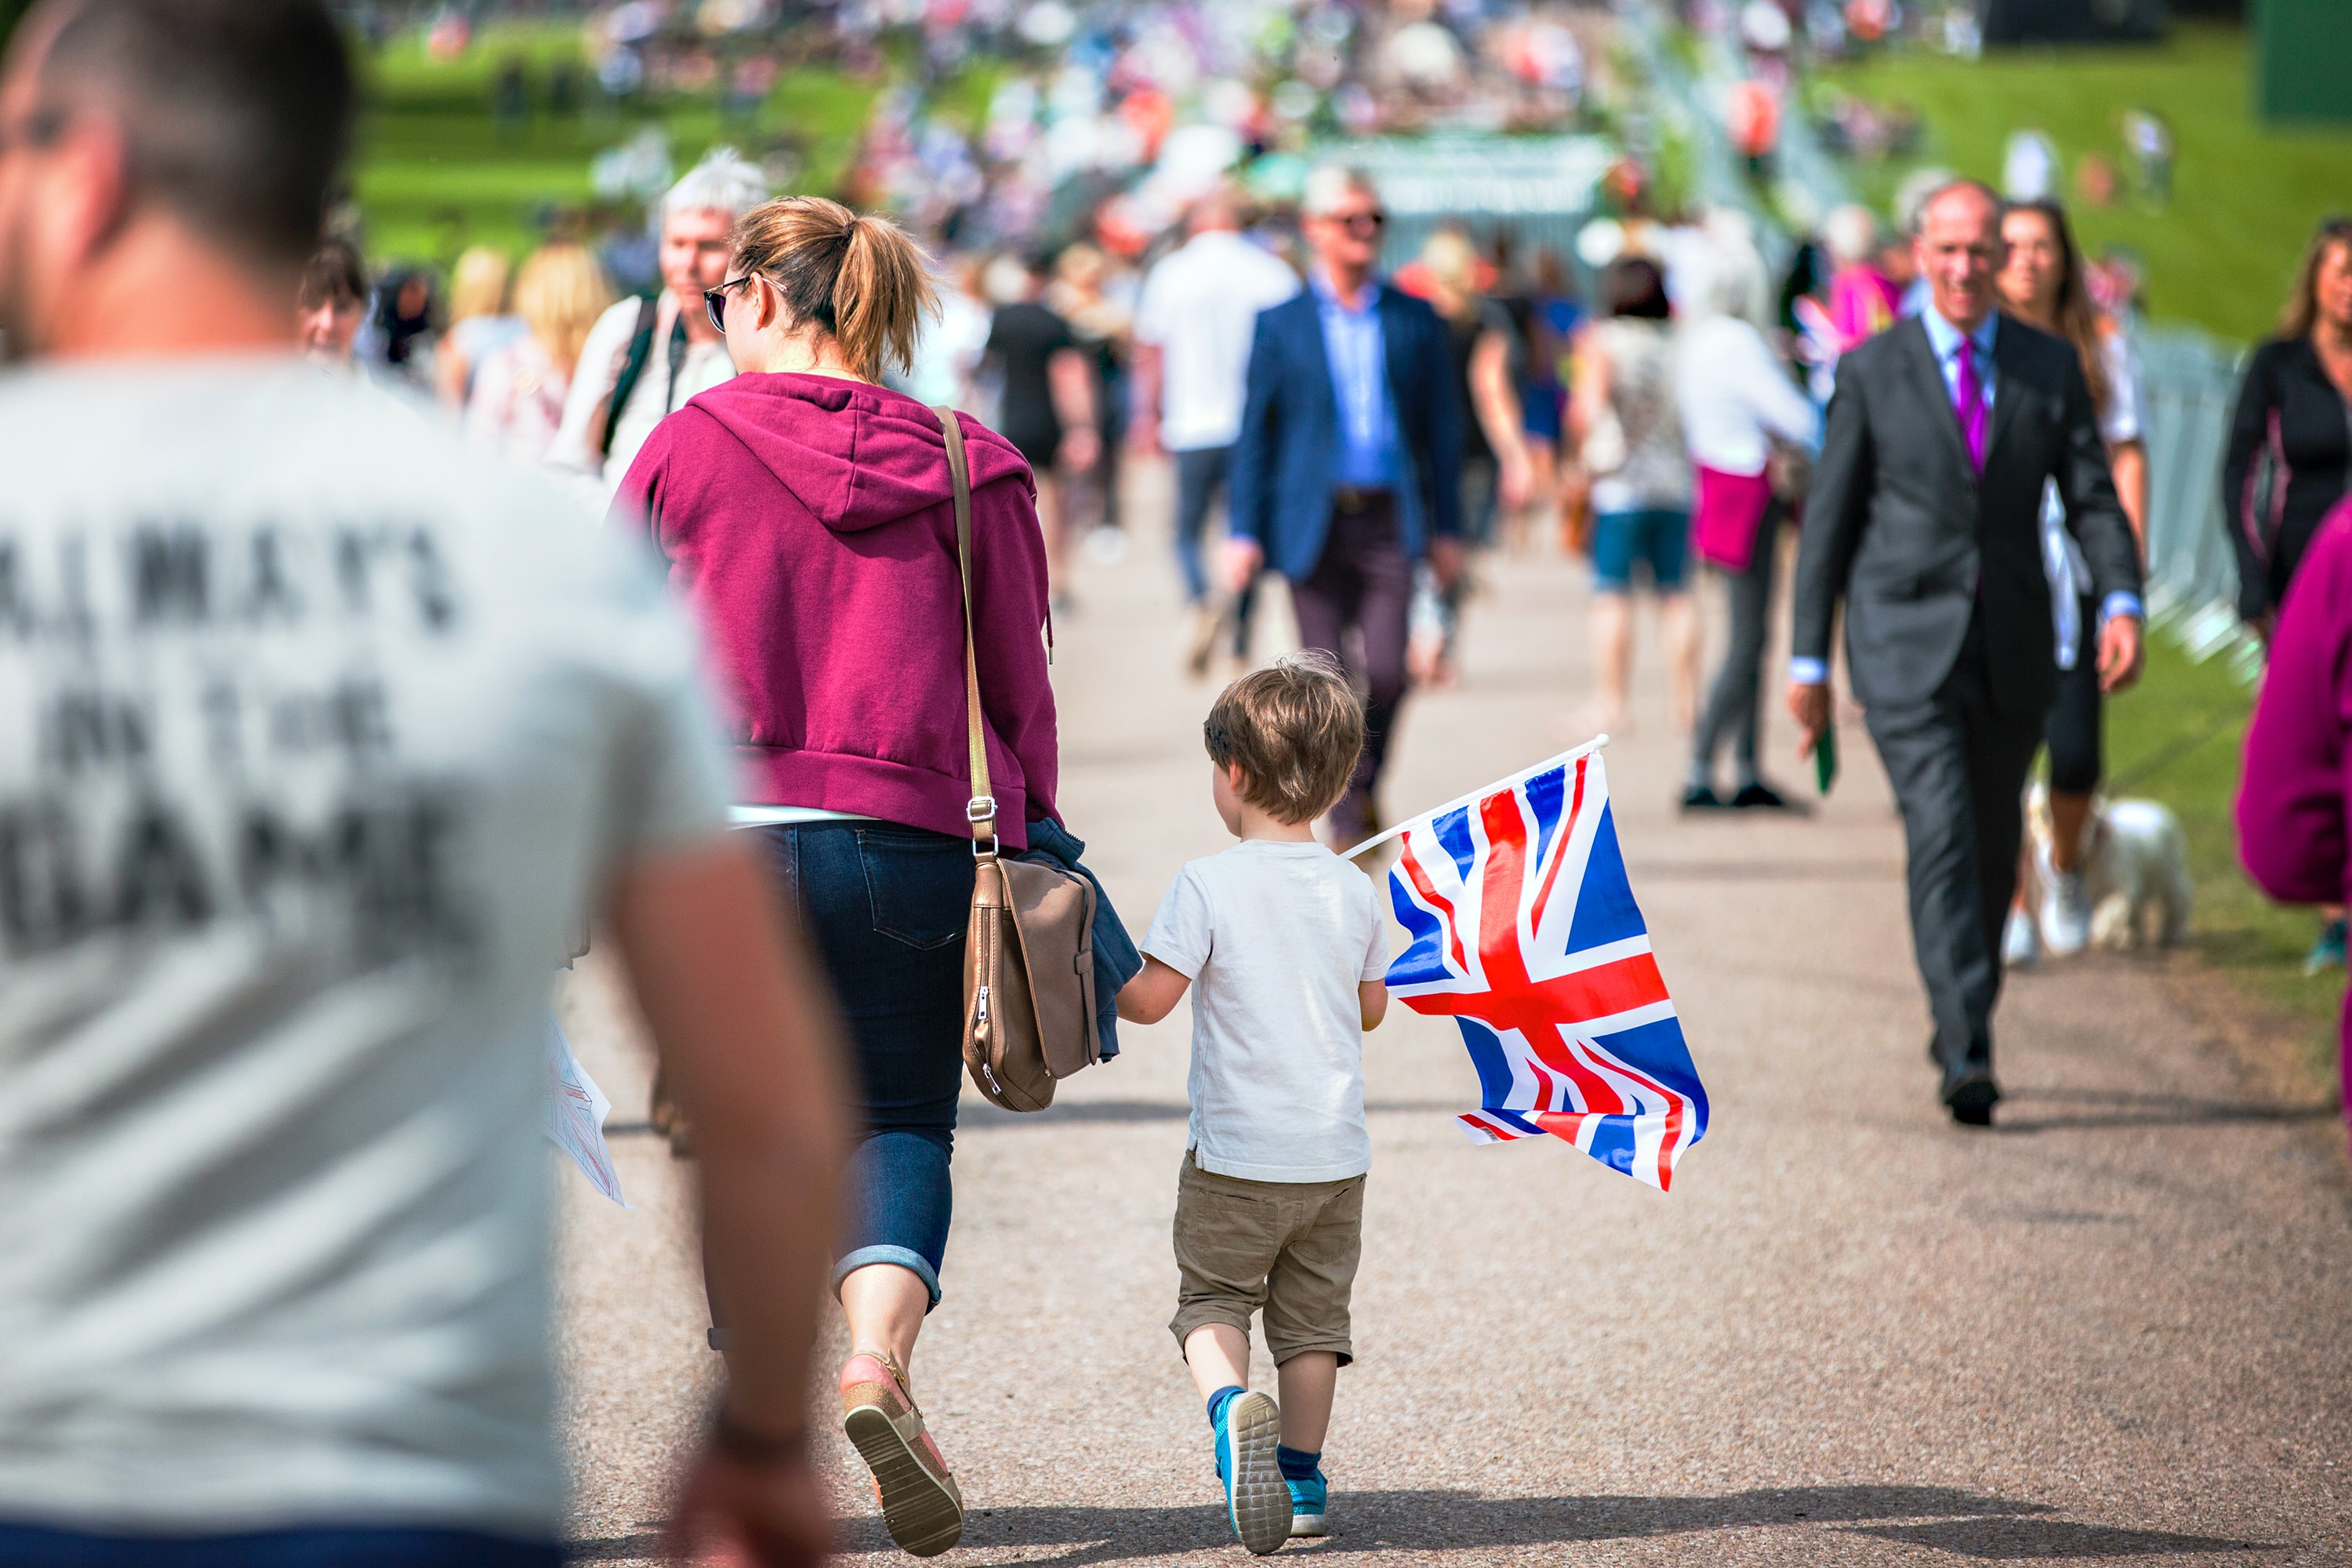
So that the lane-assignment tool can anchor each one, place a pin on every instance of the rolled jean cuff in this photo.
(905, 1257)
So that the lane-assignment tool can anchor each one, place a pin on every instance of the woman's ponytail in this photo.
(859, 279)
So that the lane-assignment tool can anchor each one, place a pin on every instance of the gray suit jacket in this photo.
(1899, 526)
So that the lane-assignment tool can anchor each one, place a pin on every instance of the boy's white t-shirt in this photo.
(1276, 937)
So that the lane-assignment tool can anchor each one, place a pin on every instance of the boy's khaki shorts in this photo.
(1287, 1248)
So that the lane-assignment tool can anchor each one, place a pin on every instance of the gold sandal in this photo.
(921, 1502)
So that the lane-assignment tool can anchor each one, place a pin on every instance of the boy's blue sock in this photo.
(1222, 1397)
(1296, 1465)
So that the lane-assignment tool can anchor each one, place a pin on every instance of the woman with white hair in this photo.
(1736, 401)
(646, 356)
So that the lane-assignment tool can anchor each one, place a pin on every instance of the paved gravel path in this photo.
(2113, 1328)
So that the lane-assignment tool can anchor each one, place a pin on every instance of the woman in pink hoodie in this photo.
(808, 512)
(2295, 791)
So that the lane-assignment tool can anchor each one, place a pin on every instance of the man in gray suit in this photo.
(1924, 518)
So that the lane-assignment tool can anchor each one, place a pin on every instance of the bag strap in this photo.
(981, 809)
(633, 368)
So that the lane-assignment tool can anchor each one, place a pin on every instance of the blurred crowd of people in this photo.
(1106, 243)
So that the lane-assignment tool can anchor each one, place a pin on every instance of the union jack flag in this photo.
(1525, 934)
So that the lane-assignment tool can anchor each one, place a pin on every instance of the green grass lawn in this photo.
(2245, 199)
(2178, 738)
(434, 175)
(2221, 256)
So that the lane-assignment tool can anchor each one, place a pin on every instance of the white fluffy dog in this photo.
(2135, 868)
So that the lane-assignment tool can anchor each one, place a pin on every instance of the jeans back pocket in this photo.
(919, 885)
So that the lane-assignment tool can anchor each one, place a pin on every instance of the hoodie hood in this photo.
(856, 455)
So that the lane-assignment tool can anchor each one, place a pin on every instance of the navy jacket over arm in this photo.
(1286, 460)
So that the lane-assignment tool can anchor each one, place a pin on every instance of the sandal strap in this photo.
(898, 1373)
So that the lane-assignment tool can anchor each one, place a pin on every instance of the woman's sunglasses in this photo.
(714, 300)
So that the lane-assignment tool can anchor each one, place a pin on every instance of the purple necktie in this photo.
(1968, 406)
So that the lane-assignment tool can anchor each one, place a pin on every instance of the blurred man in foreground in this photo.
(318, 736)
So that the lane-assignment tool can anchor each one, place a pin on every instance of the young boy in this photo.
(1286, 948)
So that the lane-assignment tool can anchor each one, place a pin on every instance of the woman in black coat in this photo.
(2291, 440)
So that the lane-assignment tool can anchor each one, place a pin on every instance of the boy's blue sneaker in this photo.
(1307, 1501)
(1258, 1499)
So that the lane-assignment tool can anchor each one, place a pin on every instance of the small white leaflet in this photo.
(575, 1112)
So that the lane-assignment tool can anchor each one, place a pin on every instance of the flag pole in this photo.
(1481, 792)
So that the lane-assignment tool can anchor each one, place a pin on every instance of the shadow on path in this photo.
(1966, 1525)
(2013, 1539)
(2085, 1110)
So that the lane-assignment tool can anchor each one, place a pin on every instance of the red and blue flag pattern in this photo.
(1525, 933)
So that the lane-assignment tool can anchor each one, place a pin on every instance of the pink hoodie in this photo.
(810, 521)
(2295, 787)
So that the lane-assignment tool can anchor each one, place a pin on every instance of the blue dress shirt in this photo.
(1944, 339)
(1353, 342)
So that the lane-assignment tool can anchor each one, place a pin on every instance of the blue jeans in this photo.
(886, 907)
(27, 1546)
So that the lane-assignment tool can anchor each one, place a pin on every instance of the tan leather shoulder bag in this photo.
(1028, 960)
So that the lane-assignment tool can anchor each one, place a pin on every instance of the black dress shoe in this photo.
(1757, 796)
(1699, 797)
(1971, 1100)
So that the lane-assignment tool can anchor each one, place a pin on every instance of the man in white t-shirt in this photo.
(1192, 330)
(320, 737)
(645, 358)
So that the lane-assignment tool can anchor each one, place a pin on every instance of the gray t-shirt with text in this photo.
(319, 735)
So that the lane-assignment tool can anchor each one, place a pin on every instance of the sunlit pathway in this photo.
(2113, 1329)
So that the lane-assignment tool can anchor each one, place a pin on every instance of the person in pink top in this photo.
(1863, 301)
(808, 512)
(2295, 791)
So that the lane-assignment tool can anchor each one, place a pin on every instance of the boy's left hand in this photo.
(1153, 994)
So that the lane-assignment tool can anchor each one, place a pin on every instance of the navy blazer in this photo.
(1287, 461)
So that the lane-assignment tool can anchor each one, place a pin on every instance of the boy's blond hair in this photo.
(1295, 729)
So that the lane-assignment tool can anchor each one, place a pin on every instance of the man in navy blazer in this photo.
(1346, 472)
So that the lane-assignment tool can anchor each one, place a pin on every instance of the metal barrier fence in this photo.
(2190, 383)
